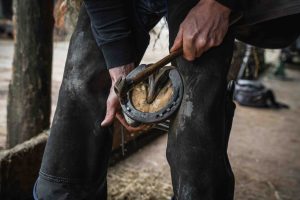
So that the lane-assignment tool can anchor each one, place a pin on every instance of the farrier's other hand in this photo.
(112, 103)
(204, 27)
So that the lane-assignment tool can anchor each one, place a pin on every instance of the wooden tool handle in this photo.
(152, 68)
(156, 66)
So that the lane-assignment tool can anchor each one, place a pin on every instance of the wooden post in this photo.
(29, 98)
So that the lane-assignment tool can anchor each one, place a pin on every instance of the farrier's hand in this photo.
(112, 103)
(204, 27)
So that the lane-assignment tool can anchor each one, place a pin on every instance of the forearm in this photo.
(120, 71)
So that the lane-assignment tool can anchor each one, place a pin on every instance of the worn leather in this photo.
(198, 138)
(75, 160)
(76, 157)
(268, 23)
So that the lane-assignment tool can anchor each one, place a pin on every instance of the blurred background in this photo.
(264, 146)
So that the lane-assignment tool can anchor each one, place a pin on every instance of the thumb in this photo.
(110, 115)
(178, 41)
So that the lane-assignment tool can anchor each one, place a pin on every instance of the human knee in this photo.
(85, 83)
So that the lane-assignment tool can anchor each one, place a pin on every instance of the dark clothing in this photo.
(112, 26)
(256, 11)
(232, 4)
(199, 134)
(76, 156)
(113, 32)
(268, 23)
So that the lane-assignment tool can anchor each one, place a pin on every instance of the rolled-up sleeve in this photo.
(111, 27)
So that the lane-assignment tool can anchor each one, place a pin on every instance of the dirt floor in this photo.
(264, 146)
(264, 151)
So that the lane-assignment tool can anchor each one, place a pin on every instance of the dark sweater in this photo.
(265, 23)
(112, 30)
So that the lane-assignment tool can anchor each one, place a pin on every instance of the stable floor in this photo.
(264, 145)
(264, 151)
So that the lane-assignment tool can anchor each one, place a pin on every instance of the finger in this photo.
(211, 43)
(220, 36)
(131, 129)
(122, 120)
(178, 40)
(110, 114)
(200, 44)
(189, 48)
(219, 40)
(109, 118)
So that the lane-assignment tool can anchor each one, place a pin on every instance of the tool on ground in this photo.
(151, 93)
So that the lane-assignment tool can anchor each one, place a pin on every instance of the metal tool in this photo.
(163, 74)
(124, 84)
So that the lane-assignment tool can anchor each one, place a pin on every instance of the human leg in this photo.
(197, 142)
(77, 152)
(75, 161)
